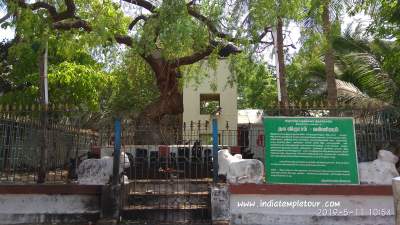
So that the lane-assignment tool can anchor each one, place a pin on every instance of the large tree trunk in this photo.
(160, 122)
(170, 100)
(329, 56)
(284, 103)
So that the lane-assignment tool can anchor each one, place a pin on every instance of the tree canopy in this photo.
(131, 55)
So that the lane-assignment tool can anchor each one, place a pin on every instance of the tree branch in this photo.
(195, 57)
(211, 27)
(68, 13)
(291, 45)
(267, 42)
(142, 3)
(191, 3)
(267, 30)
(208, 23)
(73, 24)
(124, 39)
(224, 51)
(136, 20)
(38, 5)
(6, 17)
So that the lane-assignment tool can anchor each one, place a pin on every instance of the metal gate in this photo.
(168, 184)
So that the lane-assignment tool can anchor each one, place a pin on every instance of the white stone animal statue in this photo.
(238, 170)
(99, 171)
(381, 170)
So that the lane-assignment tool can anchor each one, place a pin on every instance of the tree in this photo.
(329, 55)
(385, 17)
(277, 13)
(281, 65)
(325, 14)
(167, 35)
(133, 86)
(364, 71)
(369, 65)
(256, 84)
(69, 83)
(6, 85)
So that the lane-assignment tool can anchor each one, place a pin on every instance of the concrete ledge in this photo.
(262, 219)
(267, 204)
(51, 189)
(49, 204)
(283, 189)
(29, 219)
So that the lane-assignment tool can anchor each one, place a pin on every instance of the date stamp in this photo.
(318, 207)
(354, 212)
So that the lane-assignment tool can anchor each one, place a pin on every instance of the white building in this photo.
(251, 132)
(200, 100)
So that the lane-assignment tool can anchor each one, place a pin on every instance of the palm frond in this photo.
(352, 41)
(349, 94)
(364, 71)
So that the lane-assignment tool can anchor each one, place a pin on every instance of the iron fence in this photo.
(183, 150)
(22, 137)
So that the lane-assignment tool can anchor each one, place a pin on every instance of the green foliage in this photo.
(133, 86)
(69, 83)
(255, 83)
(105, 18)
(266, 12)
(23, 57)
(77, 77)
(366, 70)
(173, 31)
(306, 77)
(177, 29)
(386, 17)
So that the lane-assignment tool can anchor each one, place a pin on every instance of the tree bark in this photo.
(329, 56)
(160, 122)
(170, 100)
(284, 102)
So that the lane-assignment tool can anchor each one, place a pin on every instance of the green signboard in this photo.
(303, 150)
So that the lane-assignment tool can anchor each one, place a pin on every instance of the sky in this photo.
(5, 33)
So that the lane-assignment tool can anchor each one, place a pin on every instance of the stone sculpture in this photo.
(381, 170)
(238, 170)
(99, 171)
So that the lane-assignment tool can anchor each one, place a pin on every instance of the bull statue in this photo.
(99, 171)
(238, 170)
(379, 171)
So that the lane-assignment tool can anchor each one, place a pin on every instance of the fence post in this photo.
(215, 148)
(117, 151)
(111, 194)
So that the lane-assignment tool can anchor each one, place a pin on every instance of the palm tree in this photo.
(362, 72)
(361, 62)
(322, 14)
(329, 55)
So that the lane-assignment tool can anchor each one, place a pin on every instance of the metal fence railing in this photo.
(70, 137)
(22, 137)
